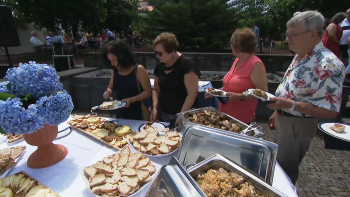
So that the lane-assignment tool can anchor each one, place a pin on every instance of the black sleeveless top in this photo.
(173, 91)
(126, 87)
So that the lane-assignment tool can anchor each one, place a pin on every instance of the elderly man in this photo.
(343, 46)
(49, 39)
(311, 89)
(37, 44)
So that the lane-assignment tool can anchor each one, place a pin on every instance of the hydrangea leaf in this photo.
(4, 96)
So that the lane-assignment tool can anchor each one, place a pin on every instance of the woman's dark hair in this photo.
(122, 51)
(338, 18)
(244, 40)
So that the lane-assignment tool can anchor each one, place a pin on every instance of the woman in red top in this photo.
(104, 35)
(247, 71)
(333, 33)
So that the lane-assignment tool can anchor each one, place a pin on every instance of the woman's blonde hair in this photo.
(168, 41)
(244, 40)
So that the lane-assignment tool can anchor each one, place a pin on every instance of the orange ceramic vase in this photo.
(47, 153)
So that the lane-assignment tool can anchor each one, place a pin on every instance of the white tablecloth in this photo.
(65, 179)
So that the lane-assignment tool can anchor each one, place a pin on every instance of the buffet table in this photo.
(65, 179)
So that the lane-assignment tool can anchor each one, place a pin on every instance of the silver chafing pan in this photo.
(188, 123)
(175, 181)
(255, 155)
(217, 161)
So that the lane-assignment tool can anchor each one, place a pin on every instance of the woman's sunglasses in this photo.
(160, 54)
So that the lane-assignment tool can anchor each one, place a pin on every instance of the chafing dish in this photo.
(175, 181)
(255, 155)
(187, 123)
(217, 161)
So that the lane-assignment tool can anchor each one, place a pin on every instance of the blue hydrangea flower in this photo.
(3, 87)
(38, 79)
(15, 119)
(56, 108)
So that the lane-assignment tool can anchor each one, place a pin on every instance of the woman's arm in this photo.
(110, 85)
(191, 83)
(155, 93)
(143, 77)
(331, 30)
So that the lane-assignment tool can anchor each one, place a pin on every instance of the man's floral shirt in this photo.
(317, 78)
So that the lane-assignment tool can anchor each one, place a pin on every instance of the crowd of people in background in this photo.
(81, 40)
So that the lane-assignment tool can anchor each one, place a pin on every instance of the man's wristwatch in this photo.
(292, 108)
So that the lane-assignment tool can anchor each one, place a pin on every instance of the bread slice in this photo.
(136, 145)
(150, 168)
(164, 148)
(179, 139)
(143, 162)
(111, 181)
(15, 153)
(134, 189)
(143, 149)
(151, 147)
(155, 151)
(97, 190)
(133, 163)
(159, 140)
(99, 163)
(123, 160)
(108, 159)
(170, 142)
(148, 179)
(338, 128)
(135, 156)
(104, 168)
(132, 181)
(116, 157)
(150, 138)
(142, 174)
(90, 171)
(123, 188)
(97, 180)
(128, 172)
(172, 134)
(140, 135)
(116, 176)
(111, 194)
(125, 151)
(108, 188)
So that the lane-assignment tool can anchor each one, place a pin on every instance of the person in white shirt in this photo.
(343, 46)
(37, 44)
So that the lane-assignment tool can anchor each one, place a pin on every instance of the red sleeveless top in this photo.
(329, 43)
(239, 81)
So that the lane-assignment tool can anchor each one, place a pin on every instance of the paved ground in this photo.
(323, 172)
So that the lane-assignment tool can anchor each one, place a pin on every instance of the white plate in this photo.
(157, 125)
(325, 127)
(269, 95)
(8, 170)
(224, 96)
(106, 152)
(117, 105)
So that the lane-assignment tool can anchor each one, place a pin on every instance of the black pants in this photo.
(343, 48)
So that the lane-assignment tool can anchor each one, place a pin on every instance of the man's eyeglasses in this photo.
(160, 54)
(348, 13)
(296, 35)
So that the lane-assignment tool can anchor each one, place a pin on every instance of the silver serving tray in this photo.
(187, 124)
(174, 181)
(253, 154)
(217, 161)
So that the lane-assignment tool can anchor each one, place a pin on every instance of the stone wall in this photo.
(205, 61)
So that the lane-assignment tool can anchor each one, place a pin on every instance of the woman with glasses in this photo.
(129, 80)
(175, 82)
(247, 71)
(333, 33)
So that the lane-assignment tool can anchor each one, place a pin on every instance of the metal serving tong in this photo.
(250, 130)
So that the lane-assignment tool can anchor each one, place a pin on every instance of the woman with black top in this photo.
(175, 82)
(129, 80)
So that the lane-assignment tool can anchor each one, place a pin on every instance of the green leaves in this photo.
(28, 100)
(5, 96)
(2, 131)
(8, 86)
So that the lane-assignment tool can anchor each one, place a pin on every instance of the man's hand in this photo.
(272, 120)
(281, 103)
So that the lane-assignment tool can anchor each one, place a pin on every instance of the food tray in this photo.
(105, 154)
(217, 161)
(188, 124)
(8, 170)
(269, 95)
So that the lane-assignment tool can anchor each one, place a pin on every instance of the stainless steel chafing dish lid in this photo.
(255, 155)
(217, 161)
(189, 124)
(174, 181)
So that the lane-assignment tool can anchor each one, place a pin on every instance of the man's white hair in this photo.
(310, 19)
(296, 13)
(32, 32)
